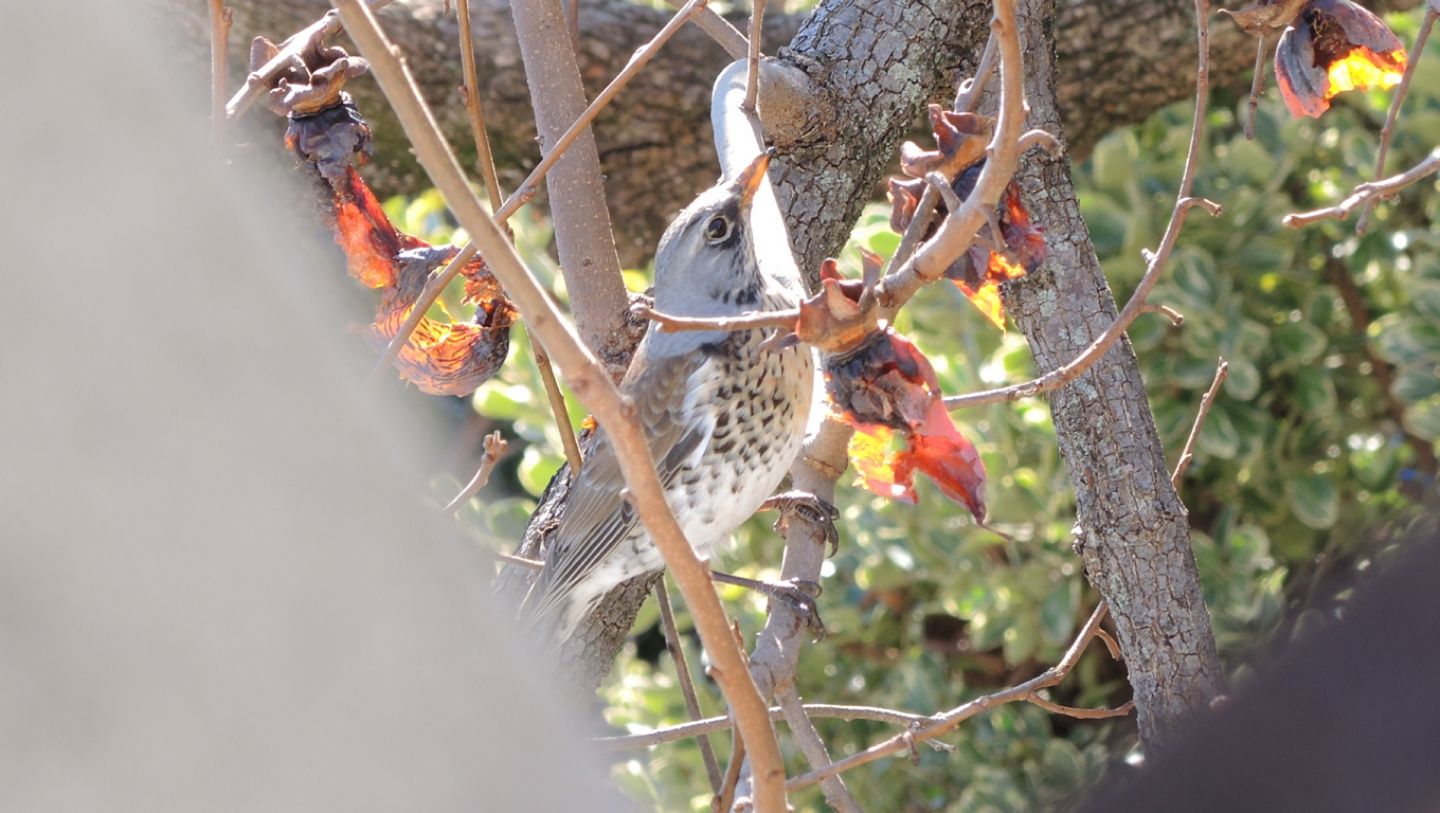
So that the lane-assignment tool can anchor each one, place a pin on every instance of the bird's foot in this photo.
(798, 594)
(808, 507)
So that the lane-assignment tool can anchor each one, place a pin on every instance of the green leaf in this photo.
(1314, 391)
(1243, 382)
(1219, 437)
(1063, 765)
(1415, 384)
(536, 468)
(1400, 339)
(1425, 298)
(1299, 342)
(1424, 420)
(1314, 501)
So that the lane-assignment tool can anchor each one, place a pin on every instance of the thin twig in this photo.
(1432, 11)
(1257, 87)
(258, 82)
(428, 295)
(756, 320)
(687, 682)
(531, 184)
(220, 20)
(947, 722)
(725, 799)
(736, 44)
(910, 240)
(1156, 261)
(589, 380)
(475, 108)
(752, 78)
(495, 447)
(804, 735)
(1187, 454)
(558, 408)
(967, 95)
(1367, 192)
(709, 725)
(1081, 714)
(1176, 317)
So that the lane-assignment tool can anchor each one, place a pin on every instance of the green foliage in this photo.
(1299, 468)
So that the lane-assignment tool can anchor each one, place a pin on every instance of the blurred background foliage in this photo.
(1320, 447)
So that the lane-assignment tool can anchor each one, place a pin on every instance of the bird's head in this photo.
(708, 252)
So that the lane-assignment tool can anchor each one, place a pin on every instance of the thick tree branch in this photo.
(1131, 528)
(578, 209)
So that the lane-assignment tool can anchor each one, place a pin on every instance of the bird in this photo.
(724, 416)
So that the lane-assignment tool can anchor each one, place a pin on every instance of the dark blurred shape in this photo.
(1347, 720)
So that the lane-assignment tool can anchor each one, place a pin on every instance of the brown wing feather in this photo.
(596, 518)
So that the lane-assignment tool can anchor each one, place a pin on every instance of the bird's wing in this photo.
(666, 391)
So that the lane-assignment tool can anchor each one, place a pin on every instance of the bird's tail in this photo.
(550, 615)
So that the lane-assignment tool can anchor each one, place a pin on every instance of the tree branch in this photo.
(1366, 193)
(578, 208)
(1432, 11)
(220, 20)
(592, 384)
(947, 722)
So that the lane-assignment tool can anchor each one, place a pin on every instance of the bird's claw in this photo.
(799, 595)
(812, 509)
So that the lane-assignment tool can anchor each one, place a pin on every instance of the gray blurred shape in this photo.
(219, 589)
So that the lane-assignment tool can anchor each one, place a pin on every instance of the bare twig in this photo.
(804, 735)
(756, 320)
(495, 447)
(1257, 87)
(1432, 11)
(752, 77)
(728, 784)
(1176, 317)
(1368, 192)
(720, 30)
(1081, 714)
(593, 385)
(1187, 454)
(428, 295)
(475, 108)
(967, 95)
(709, 725)
(947, 722)
(1155, 262)
(558, 408)
(220, 19)
(531, 184)
(687, 682)
(260, 81)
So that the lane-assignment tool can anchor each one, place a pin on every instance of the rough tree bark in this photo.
(1131, 529)
(1118, 61)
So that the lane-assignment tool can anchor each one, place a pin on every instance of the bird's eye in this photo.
(717, 229)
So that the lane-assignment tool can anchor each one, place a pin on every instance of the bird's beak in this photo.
(752, 176)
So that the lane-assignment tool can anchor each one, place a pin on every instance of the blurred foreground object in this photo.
(218, 588)
(1343, 721)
